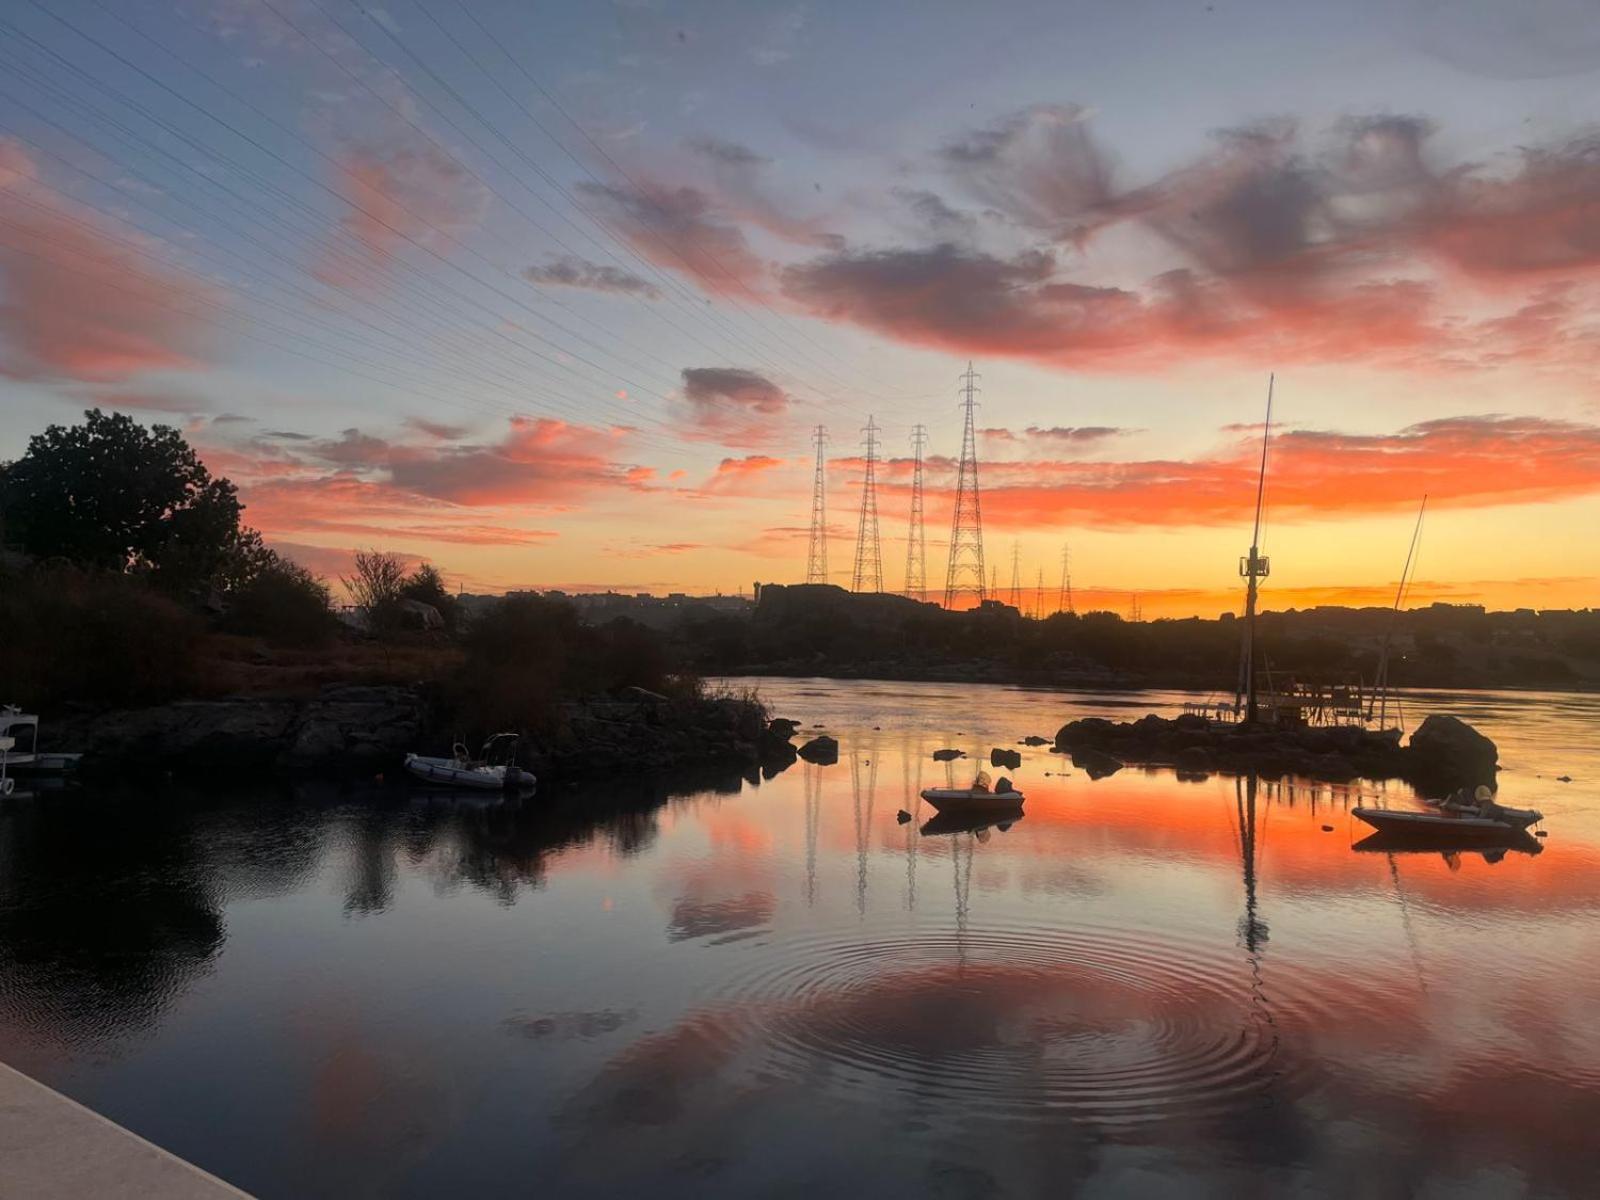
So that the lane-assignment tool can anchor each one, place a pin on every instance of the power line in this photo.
(869, 552)
(916, 536)
(964, 575)
(817, 552)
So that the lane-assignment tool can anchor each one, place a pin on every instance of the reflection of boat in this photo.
(1457, 826)
(1429, 842)
(970, 822)
(493, 770)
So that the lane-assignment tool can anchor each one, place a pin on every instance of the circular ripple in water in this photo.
(1102, 1026)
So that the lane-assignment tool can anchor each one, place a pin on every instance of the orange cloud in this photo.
(82, 299)
(1458, 461)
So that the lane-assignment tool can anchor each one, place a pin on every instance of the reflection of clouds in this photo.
(702, 918)
(377, 1107)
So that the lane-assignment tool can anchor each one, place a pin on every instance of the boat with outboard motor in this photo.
(494, 769)
(1459, 816)
(1004, 797)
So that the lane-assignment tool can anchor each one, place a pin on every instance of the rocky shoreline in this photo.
(1443, 753)
(355, 730)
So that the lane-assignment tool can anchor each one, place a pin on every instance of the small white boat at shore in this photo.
(492, 771)
(19, 752)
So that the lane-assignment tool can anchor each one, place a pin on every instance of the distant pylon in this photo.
(965, 574)
(1016, 577)
(1064, 597)
(817, 554)
(1038, 596)
(916, 538)
(869, 551)
(1135, 613)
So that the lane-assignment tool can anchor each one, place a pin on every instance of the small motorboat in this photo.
(979, 798)
(21, 753)
(1485, 822)
(493, 770)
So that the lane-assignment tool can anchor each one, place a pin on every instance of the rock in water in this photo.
(1009, 759)
(1033, 739)
(946, 755)
(1447, 753)
(822, 750)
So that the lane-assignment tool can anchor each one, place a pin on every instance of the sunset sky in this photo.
(552, 294)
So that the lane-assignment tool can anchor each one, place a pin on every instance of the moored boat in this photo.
(979, 798)
(19, 732)
(1491, 821)
(494, 769)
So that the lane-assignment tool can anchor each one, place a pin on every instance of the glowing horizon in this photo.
(556, 302)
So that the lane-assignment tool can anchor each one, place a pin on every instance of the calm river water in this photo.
(705, 988)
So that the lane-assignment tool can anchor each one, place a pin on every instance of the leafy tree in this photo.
(112, 495)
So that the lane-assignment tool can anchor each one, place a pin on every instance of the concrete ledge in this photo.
(53, 1148)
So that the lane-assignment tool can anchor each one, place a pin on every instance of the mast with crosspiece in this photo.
(1254, 567)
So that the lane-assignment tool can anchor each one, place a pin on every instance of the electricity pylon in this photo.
(916, 538)
(817, 553)
(869, 550)
(1016, 577)
(965, 573)
(1064, 596)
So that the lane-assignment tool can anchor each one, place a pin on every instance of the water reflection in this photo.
(708, 986)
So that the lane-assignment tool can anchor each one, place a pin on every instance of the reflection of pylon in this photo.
(965, 574)
(1016, 577)
(1064, 597)
(817, 555)
(916, 539)
(869, 551)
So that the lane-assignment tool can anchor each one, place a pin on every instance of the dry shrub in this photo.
(101, 638)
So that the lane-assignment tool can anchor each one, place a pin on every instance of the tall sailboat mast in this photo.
(1254, 568)
(1381, 684)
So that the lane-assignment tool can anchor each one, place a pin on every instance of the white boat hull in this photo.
(1400, 822)
(448, 772)
(969, 800)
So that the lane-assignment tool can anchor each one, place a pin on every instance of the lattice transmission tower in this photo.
(1038, 597)
(916, 537)
(965, 574)
(1016, 577)
(1064, 596)
(817, 554)
(869, 551)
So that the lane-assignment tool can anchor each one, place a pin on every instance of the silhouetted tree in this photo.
(112, 495)
(376, 587)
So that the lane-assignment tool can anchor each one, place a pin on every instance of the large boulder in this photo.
(1446, 753)
(1087, 731)
(1009, 759)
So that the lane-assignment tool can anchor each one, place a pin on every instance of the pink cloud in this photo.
(83, 299)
